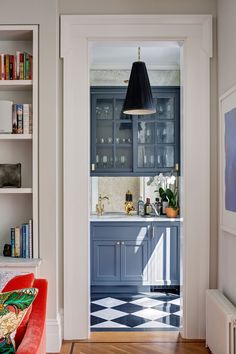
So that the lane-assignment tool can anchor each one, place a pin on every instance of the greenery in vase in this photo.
(172, 197)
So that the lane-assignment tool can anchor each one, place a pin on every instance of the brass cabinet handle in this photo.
(93, 166)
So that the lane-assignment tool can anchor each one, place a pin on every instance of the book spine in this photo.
(26, 66)
(30, 231)
(21, 66)
(23, 241)
(14, 68)
(19, 112)
(18, 65)
(30, 119)
(26, 241)
(25, 119)
(31, 67)
(14, 119)
(12, 241)
(6, 67)
(2, 67)
(11, 67)
(17, 242)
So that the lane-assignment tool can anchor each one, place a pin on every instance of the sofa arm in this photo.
(34, 341)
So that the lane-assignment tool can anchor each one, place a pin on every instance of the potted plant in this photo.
(173, 208)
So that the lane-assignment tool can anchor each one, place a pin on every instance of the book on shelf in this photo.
(17, 66)
(22, 118)
(22, 240)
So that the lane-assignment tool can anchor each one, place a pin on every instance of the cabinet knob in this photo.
(118, 242)
(122, 243)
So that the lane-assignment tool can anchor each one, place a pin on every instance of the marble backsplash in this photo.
(115, 189)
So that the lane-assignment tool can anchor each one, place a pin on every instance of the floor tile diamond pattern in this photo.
(149, 311)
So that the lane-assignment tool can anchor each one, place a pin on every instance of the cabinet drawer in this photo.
(119, 231)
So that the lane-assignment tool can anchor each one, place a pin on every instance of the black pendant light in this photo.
(139, 99)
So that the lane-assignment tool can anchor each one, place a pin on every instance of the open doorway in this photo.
(76, 34)
(134, 254)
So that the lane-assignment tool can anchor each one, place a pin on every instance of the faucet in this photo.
(99, 205)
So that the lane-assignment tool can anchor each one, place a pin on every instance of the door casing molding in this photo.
(195, 32)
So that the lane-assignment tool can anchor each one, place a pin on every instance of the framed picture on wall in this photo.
(228, 161)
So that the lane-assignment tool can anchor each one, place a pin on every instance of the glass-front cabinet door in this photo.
(157, 135)
(111, 135)
(134, 145)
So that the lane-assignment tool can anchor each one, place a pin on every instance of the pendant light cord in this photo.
(139, 50)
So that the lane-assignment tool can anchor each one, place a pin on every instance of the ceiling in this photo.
(120, 55)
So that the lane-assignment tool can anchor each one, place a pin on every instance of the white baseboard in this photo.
(54, 334)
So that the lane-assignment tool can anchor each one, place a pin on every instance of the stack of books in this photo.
(22, 118)
(16, 67)
(22, 240)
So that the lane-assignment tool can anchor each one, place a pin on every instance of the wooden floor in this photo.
(134, 343)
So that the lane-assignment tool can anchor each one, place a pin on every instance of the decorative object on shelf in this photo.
(173, 209)
(99, 206)
(228, 161)
(139, 99)
(129, 206)
(10, 175)
(7, 250)
(164, 201)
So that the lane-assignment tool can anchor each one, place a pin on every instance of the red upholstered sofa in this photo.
(30, 337)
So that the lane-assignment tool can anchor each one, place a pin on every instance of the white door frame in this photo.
(196, 33)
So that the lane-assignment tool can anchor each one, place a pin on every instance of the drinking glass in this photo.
(122, 160)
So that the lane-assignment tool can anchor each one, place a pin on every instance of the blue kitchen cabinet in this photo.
(134, 145)
(135, 253)
(119, 253)
(106, 261)
(164, 254)
(134, 261)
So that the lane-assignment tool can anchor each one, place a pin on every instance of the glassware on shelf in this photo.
(122, 160)
(117, 140)
(152, 160)
(111, 161)
(148, 136)
(98, 112)
(97, 160)
(109, 140)
(107, 111)
(145, 160)
(104, 160)
(102, 140)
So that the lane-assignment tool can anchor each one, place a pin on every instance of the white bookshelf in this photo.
(18, 205)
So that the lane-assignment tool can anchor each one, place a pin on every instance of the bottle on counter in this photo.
(140, 207)
(164, 204)
(158, 206)
(147, 208)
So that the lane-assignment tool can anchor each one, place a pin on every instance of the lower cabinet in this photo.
(134, 253)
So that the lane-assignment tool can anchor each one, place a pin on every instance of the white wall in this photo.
(227, 79)
(44, 13)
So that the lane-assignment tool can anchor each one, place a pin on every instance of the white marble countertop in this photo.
(116, 217)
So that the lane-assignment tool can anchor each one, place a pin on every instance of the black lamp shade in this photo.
(139, 99)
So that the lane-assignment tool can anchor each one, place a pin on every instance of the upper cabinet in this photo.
(134, 145)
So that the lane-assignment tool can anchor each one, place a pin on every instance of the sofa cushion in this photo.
(13, 308)
(21, 282)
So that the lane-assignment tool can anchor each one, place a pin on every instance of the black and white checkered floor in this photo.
(139, 312)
